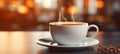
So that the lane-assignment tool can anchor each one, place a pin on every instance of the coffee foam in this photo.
(61, 23)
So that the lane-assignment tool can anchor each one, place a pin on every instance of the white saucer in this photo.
(81, 45)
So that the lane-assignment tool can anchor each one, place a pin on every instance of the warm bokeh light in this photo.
(86, 2)
(100, 4)
(23, 9)
(38, 1)
(92, 7)
(52, 4)
(30, 3)
(15, 3)
(2, 4)
(72, 10)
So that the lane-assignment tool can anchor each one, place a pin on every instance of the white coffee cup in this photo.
(70, 33)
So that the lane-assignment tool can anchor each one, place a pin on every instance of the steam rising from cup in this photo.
(61, 15)
(72, 16)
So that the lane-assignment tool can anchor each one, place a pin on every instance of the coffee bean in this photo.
(118, 49)
(110, 50)
(107, 49)
(92, 49)
(98, 52)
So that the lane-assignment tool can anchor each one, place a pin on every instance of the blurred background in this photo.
(21, 20)
(35, 15)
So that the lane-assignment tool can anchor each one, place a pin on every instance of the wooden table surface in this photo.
(23, 42)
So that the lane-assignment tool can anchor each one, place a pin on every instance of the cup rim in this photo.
(59, 23)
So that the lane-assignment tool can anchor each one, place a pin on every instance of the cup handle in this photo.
(97, 30)
(92, 37)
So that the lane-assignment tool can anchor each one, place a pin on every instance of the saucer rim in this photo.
(96, 43)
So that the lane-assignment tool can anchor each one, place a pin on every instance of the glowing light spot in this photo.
(30, 3)
(47, 3)
(23, 9)
(15, 2)
(100, 4)
(38, 1)
(92, 8)
(86, 3)
(72, 9)
(14, 5)
(2, 4)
